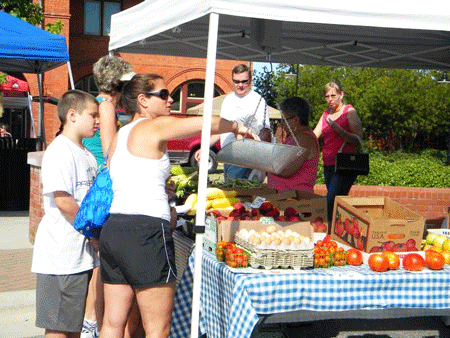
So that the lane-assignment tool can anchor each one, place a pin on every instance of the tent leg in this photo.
(69, 68)
(203, 169)
(41, 128)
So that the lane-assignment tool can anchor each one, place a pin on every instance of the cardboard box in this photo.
(311, 206)
(366, 223)
(401, 255)
(225, 230)
(251, 193)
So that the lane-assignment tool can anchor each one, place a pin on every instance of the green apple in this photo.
(430, 238)
(439, 240)
(446, 245)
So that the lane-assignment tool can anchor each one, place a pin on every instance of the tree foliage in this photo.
(399, 108)
(24, 9)
(31, 13)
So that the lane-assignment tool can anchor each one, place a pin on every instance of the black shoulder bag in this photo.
(354, 163)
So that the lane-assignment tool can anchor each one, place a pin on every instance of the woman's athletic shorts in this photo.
(137, 250)
(61, 301)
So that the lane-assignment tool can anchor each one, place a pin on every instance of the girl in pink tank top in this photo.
(302, 173)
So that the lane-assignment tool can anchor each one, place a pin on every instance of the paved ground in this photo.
(17, 300)
(17, 283)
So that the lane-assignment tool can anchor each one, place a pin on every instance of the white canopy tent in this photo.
(385, 34)
(347, 33)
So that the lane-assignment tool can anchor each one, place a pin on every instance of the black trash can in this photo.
(15, 172)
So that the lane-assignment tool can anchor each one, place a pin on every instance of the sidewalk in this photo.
(17, 283)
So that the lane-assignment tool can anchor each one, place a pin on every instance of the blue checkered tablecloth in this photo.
(230, 302)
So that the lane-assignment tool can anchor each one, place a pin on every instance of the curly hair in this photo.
(108, 71)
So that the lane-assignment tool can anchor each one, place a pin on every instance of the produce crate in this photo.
(372, 224)
(311, 207)
(262, 191)
(445, 232)
(271, 259)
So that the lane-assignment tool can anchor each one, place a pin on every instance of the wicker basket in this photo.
(272, 259)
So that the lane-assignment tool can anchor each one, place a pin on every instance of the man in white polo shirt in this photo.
(247, 107)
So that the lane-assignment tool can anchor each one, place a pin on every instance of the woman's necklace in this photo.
(335, 114)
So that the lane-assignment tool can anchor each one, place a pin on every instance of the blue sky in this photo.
(259, 66)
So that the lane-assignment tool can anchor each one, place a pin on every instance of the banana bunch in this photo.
(215, 199)
(184, 178)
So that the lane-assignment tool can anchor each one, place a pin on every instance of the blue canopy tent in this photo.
(29, 49)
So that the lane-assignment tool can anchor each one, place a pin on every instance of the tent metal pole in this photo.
(203, 169)
(41, 130)
(69, 68)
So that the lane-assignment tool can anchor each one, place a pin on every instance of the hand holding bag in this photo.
(354, 163)
(94, 209)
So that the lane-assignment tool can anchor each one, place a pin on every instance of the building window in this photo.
(87, 84)
(189, 95)
(97, 16)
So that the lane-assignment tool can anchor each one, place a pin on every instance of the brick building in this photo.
(86, 28)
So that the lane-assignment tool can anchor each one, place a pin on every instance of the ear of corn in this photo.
(222, 203)
(176, 170)
(213, 193)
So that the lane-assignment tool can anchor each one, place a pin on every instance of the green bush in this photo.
(424, 169)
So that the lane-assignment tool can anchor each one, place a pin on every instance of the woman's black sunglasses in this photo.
(162, 94)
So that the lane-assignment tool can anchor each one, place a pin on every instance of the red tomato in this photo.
(378, 263)
(354, 257)
(394, 260)
(413, 262)
(434, 260)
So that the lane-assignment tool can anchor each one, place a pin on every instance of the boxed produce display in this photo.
(278, 245)
(310, 207)
(270, 243)
(376, 224)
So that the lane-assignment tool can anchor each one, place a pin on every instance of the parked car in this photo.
(182, 152)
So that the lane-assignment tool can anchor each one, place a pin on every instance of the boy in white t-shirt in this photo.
(63, 258)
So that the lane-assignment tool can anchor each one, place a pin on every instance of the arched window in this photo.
(189, 94)
(87, 84)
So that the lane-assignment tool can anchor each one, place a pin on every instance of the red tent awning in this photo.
(14, 85)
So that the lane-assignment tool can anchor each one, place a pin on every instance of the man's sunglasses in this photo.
(241, 81)
(162, 94)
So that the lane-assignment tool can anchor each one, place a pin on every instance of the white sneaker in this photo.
(89, 329)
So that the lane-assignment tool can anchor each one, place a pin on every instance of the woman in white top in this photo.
(136, 245)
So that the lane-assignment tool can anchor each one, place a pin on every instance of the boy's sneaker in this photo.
(89, 329)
